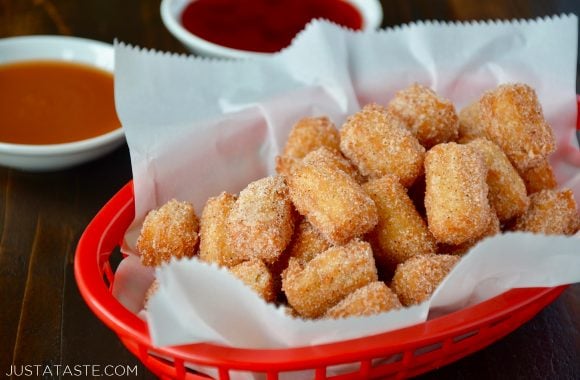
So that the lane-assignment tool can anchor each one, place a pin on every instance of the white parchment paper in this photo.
(196, 127)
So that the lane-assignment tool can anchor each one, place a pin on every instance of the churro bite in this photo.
(540, 177)
(373, 298)
(429, 117)
(311, 133)
(507, 191)
(513, 119)
(417, 278)
(325, 280)
(551, 212)
(470, 124)
(379, 143)
(331, 200)
(307, 242)
(493, 228)
(169, 231)
(213, 245)
(456, 193)
(401, 232)
(261, 221)
(257, 276)
(334, 160)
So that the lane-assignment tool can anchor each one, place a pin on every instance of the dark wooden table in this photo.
(43, 319)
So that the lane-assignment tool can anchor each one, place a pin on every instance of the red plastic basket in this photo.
(398, 354)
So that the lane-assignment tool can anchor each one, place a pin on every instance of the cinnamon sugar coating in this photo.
(551, 212)
(401, 232)
(169, 231)
(373, 298)
(507, 191)
(513, 119)
(379, 143)
(213, 241)
(257, 276)
(428, 116)
(456, 193)
(331, 200)
(311, 133)
(417, 278)
(261, 221)
(325, 280)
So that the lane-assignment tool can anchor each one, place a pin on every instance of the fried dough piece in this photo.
(507, 191)
(401, 232)
(307, 242)
(429, 117)
(314, 288)
(492, 229)
(470, 124)
(539, 178)
(311, 133)
(373, 298)
(513, 119)
(256, 275)
(417, 278)
(320, 156)
(456, 193)
(335, 160)
(213, 241)
(551, 212)
(169, 231)
(379, 143)
(332, 201)
(285, 164)
(261, 221)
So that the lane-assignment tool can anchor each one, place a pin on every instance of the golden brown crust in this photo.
(378, 143)
(513, 119)
(311, 133)
(470, 124)
(213, 245)
(507, 191)
(169, 231)
(373, 298)
(332, 201)
(401, 232)
(456, 193)
(551, 212)
(492, 229)
(429, 117)
(307, 242)
(417, 278)
(539, 177)
(261, 222)
(335, 160)
(256, 275)
(328, 278)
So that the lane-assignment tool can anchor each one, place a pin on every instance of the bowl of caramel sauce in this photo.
(57, 106)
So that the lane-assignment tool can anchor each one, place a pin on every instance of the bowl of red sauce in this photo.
(251, 28)
(57, 104)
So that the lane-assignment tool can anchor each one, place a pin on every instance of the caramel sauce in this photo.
(52, 102)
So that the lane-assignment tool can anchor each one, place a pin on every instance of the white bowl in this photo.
(69, 49)
(370, 10)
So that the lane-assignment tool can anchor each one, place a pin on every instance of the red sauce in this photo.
(262, 25)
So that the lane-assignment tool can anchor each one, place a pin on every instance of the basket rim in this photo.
(126, 324)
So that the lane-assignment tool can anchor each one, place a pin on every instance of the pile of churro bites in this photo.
(373, 216)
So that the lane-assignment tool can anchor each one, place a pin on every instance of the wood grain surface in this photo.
(43, 319)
